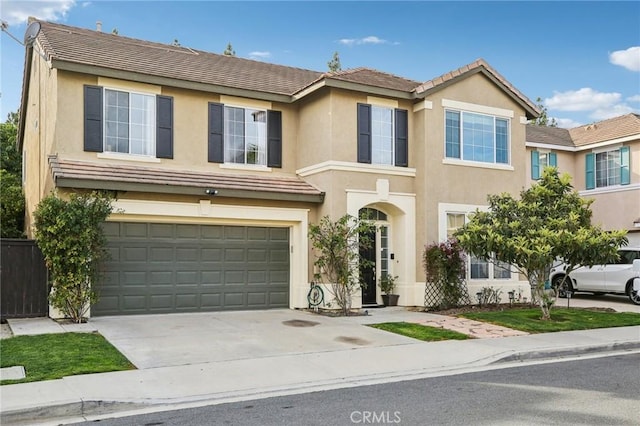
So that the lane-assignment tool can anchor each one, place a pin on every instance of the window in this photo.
(607, 168)
(128, 122)
(382, 135)
(478, 268)
(540, 160)
(476, 137)
(245, 135)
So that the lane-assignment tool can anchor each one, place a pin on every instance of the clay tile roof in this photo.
(375, 78)
(84, 174)
(602, 131)
(88, 47)
(549, 135)
(478, 65)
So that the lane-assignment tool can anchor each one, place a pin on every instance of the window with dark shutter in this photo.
(402, 138)
(364, 133)
(164, 129)
(216, 133)
(93, 118)
(274, 139)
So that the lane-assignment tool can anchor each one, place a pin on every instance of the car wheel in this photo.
(562, 287)
(634, 296)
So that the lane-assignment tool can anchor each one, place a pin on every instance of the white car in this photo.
(622, 277)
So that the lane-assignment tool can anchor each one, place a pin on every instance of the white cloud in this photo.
(18, 12)
(614, 111)
(567, 123)
(585, 99)
(629, 59)
(259, 55)
(635, 98)
(364, 40)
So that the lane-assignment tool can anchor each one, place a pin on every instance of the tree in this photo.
(229, 50)
(543, 118)
(11, 194)
(70, 235)
(338, 257)
(334, 64)
(550, 222)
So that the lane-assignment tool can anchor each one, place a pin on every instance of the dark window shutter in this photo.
(274, 138)
(93, 111)
(216, 133)
(364, 133)
(164, 127)
(402, 138)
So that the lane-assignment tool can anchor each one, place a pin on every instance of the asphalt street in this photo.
(598, 391)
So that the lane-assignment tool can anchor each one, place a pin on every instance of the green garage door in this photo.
(160, 268)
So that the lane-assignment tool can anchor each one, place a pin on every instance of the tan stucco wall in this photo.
(466, 184)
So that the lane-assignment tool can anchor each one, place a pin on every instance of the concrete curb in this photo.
(573, 351)
(81, 409)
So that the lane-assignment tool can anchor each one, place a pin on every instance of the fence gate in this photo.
(23, 280)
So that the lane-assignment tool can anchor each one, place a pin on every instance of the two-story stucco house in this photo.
(604, 160)
(219, 164)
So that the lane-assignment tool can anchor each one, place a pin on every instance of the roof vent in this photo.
(99, 26)
(591, 127)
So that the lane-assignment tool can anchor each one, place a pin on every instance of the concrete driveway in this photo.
(588, 300)
(150, 341)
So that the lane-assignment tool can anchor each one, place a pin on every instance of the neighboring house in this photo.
(219, 164)
(604, 160)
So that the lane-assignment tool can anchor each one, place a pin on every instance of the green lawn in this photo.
(562, 319)
(420, 332)
(53, 356)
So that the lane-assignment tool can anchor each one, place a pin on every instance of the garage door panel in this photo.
(234, 300)
(157, 268)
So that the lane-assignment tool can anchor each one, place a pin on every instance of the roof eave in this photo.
(531, 111)
(168, 81)
(350, 85)
(96, 184)
(26, 80)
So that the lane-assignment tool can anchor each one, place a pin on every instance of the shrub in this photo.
(70, 235)
(445, 268)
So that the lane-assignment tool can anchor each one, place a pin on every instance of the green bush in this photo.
(70, 235)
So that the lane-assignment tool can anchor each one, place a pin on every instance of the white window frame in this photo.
(377, 137)
(262, 139)
(617, 176)
(150, 140)
(494, 118)
(444, 215)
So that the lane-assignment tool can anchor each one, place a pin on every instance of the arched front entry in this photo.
(378, 254)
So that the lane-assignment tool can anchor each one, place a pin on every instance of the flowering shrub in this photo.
(445, 268)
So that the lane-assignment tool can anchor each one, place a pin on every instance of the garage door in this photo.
(160, 268)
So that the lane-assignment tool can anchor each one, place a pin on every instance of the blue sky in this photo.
(581, 58)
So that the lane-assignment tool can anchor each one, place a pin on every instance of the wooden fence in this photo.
(23, 280)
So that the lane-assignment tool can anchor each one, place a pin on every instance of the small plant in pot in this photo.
(387, 284)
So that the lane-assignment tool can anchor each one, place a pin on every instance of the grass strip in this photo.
(562, 319)
(53, 356)
(420, 332)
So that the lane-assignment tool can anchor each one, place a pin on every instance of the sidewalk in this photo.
(154, 389)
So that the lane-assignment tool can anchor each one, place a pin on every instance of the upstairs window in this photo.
(608, 168)
(130, 120)
(476, 137)
(383, 135)
(125, 122)
(244, 136)
(540, 160)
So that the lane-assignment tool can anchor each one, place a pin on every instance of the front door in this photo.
(368, 269)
